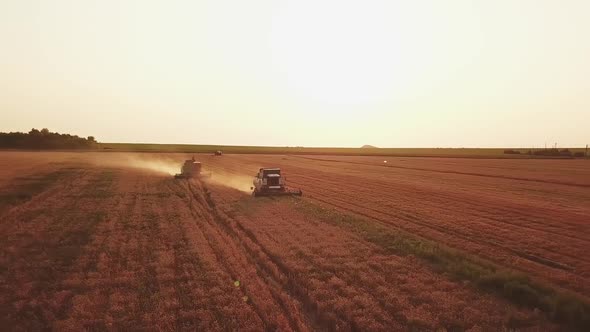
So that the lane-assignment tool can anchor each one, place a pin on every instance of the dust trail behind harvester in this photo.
(169, 165)
(238, 182)
(164, 165)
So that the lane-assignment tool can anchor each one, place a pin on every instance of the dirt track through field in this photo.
(104, 246)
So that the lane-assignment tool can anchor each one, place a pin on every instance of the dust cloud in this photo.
(170, 165)
(165, 165)
(239, 182)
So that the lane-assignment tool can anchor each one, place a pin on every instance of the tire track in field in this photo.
(215, 246)
(288, 282)
(217, 224)
(201, 281)
(291, 286)
(189, 268)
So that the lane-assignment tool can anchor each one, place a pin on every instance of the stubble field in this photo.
(113, 241)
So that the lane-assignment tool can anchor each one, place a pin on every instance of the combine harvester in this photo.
(268, 182)
(191, 169)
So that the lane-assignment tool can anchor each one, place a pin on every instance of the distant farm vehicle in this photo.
(191, 169)
(268, 182)
(218, 153)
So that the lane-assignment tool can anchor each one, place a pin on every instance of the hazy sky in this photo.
(424, 73)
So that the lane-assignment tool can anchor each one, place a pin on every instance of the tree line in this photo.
(44, 140)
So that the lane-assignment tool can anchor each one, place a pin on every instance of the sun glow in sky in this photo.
(425, 73)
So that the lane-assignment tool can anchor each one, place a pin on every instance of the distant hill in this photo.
(368, 147)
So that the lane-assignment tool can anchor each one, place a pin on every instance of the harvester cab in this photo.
(190, 169)
(269, 182)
